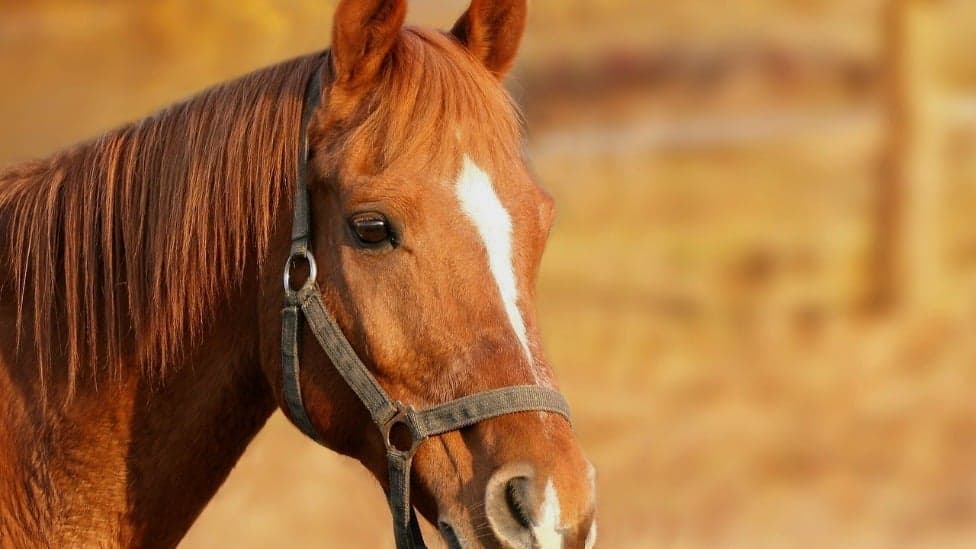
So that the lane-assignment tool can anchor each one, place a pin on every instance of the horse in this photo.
(141, 339)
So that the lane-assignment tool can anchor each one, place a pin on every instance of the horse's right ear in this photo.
(492, 30)
(363, 33)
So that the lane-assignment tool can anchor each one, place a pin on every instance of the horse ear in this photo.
(492, 31)
(364, 32)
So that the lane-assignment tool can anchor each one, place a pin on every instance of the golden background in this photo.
(708, 296)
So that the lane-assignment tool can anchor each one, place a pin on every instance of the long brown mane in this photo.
(142, 229)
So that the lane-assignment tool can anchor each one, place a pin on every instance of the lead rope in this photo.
(386, 413)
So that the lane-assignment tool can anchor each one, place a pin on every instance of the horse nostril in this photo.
(518, 495)
(510, 504)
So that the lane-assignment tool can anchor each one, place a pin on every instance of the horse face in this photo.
(429, 232)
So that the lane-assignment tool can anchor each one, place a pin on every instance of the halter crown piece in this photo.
(386, 413)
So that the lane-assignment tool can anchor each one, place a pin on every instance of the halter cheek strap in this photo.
(386, 413)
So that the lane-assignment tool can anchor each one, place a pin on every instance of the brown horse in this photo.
(140, 292)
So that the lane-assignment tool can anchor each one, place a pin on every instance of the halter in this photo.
(386, 413)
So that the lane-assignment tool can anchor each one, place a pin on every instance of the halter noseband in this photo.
(386, 413)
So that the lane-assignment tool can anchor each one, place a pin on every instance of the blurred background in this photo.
(760, 294)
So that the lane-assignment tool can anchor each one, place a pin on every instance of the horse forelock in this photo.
(431, 93)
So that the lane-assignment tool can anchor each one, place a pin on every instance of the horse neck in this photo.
(130, 461)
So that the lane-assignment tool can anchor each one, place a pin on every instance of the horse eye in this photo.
(370, 228)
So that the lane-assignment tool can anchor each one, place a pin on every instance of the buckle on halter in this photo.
(313, 272)
(404, 417)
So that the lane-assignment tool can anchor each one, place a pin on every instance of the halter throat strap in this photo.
(306, 303)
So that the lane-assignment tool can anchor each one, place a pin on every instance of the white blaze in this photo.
(481, 204)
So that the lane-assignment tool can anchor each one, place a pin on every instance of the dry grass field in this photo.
(702, 296)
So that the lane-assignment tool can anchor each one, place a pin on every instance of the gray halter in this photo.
(386, 413)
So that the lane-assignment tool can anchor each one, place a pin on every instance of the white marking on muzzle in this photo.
(480, 202)
(591, 538)
(547, 534)
(591, 535)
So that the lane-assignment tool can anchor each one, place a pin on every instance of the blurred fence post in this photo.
(908, 251)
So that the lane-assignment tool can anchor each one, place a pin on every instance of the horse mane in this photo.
(118, 248)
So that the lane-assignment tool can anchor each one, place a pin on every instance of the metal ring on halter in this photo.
(313, 272)
(402, 417)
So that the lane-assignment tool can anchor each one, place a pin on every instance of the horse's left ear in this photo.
(492, 31)
(364, 32)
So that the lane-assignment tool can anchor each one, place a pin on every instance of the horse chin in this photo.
(457, 536)
(450, 535)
